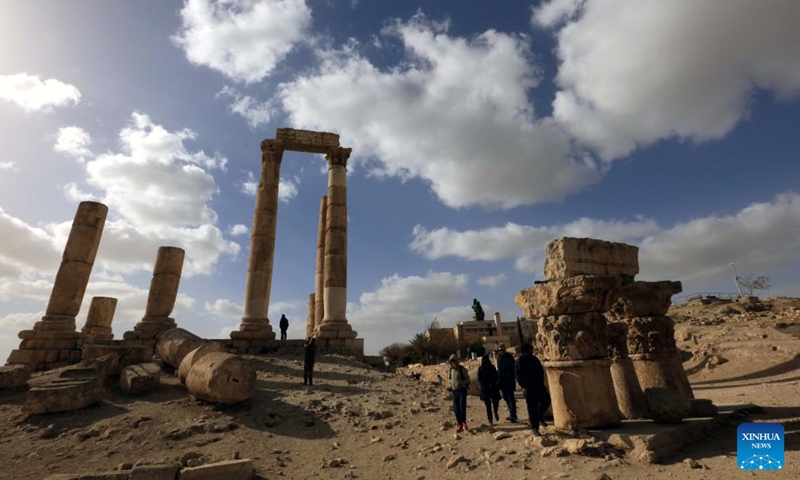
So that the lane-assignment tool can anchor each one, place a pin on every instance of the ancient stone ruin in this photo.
(600, 371)
(329, 321)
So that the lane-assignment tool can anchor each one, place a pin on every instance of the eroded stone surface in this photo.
(228, 470)
(582, 393)
(581, 294)
(651, 335)
(14, 376)
(572, 337)
(617, 339)
(174, 345)
(666, 406)
(569, 257)
(643, 299)
(140, 379)
(61, 395)
(221, 378)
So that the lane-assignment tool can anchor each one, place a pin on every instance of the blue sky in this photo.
(481, 130)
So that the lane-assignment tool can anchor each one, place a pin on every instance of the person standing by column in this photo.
(459, 383)
(310, 354)
(284, 324)
(530, 376)
(507, 382)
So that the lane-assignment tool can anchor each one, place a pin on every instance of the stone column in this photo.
(310, 320)
(53, 341)
(572, 338)
(651, 334)
(99, 318)
(160, 299)
(630, 397)
(334, 323)
(255, 322)
(319, 313)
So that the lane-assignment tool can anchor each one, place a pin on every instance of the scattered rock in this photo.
(140, 379)
(692, 463)
(455, 460)
(501, 435)
(14, 376)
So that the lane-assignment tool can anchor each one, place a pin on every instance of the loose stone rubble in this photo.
(140, 379)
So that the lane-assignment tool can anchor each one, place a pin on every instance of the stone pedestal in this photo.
(160, 300)
(662, 370)
(582, 393)
(99, 318)
(255, 322)
(53, 342)
(334, 325)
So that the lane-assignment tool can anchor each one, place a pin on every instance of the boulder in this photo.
(140, 379)
(14, 376)
(666, 406)
(579, 294)
(192, 357)
(175, 344)
(221, 378)
(569, 257)
(702, 407)
(64, 394)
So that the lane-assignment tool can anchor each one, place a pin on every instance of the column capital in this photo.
(272, 150)
(338, 156)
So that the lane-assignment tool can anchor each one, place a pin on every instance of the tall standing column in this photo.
(334, 323)
(310, 319)
(319, 312)
(255, 322)
(53, 340)
(160, 299)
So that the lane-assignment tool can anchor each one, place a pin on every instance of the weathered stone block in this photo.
(140, 379)
(666, 406)
(127, 354)
(112, 475)
(192, 357)
(169, 261)
(580, 294)
(63, 395)
(105, 366)
(228, 470)
(582, 393)
(154, 472)
(630, 398)
(617, 339)
(175, 344)
(568, 257)
(14, 376)
(643, 299)
(221, 378)
(69, 288)
(651, 335)
(662, 370)
(572, 337)
(162, 294)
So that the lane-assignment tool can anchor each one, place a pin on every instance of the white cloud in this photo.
(761, 237)
(256, 113)
(8, 166)
(454, 113)
(229, 310)
(250, 186)
(225, 308)
(73, 141)
(239, 229)
(524, 243)
(243, 40)
(287, 188)
(33, 94)
(75, 194)
(632, 72)
(492, 280)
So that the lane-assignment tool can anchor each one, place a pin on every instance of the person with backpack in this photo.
(507, 381)
(459, 384)
(490, 392)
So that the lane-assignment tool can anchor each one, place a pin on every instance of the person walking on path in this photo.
(284, 324)
(507, 381)
(490, 392)
(459, 383)
(310, 354)
(530, 376)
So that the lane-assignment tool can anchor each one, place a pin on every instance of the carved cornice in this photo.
(337, 157)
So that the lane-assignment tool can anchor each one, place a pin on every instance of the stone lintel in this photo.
(307, 141)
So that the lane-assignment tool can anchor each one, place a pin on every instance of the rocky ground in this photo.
(357, 422)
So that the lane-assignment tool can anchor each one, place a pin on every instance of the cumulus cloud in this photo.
(73, 141)
(250, 186)
(632, 72)
(239, 229)
(454, 109)
(33, 94)
(8, 166)
(254, 112)
(401, 306)
(762, 236)
(522, 242)
(288, 188)
(75, 194)
(227, 309)
(492, 280)
(243, 40)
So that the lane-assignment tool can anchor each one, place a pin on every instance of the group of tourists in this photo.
(501, 382)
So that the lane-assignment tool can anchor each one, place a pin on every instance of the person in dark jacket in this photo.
(507, 382)
(530, 376)
(284, 324)
(459, 384)
(490, 392)
(310, 353)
